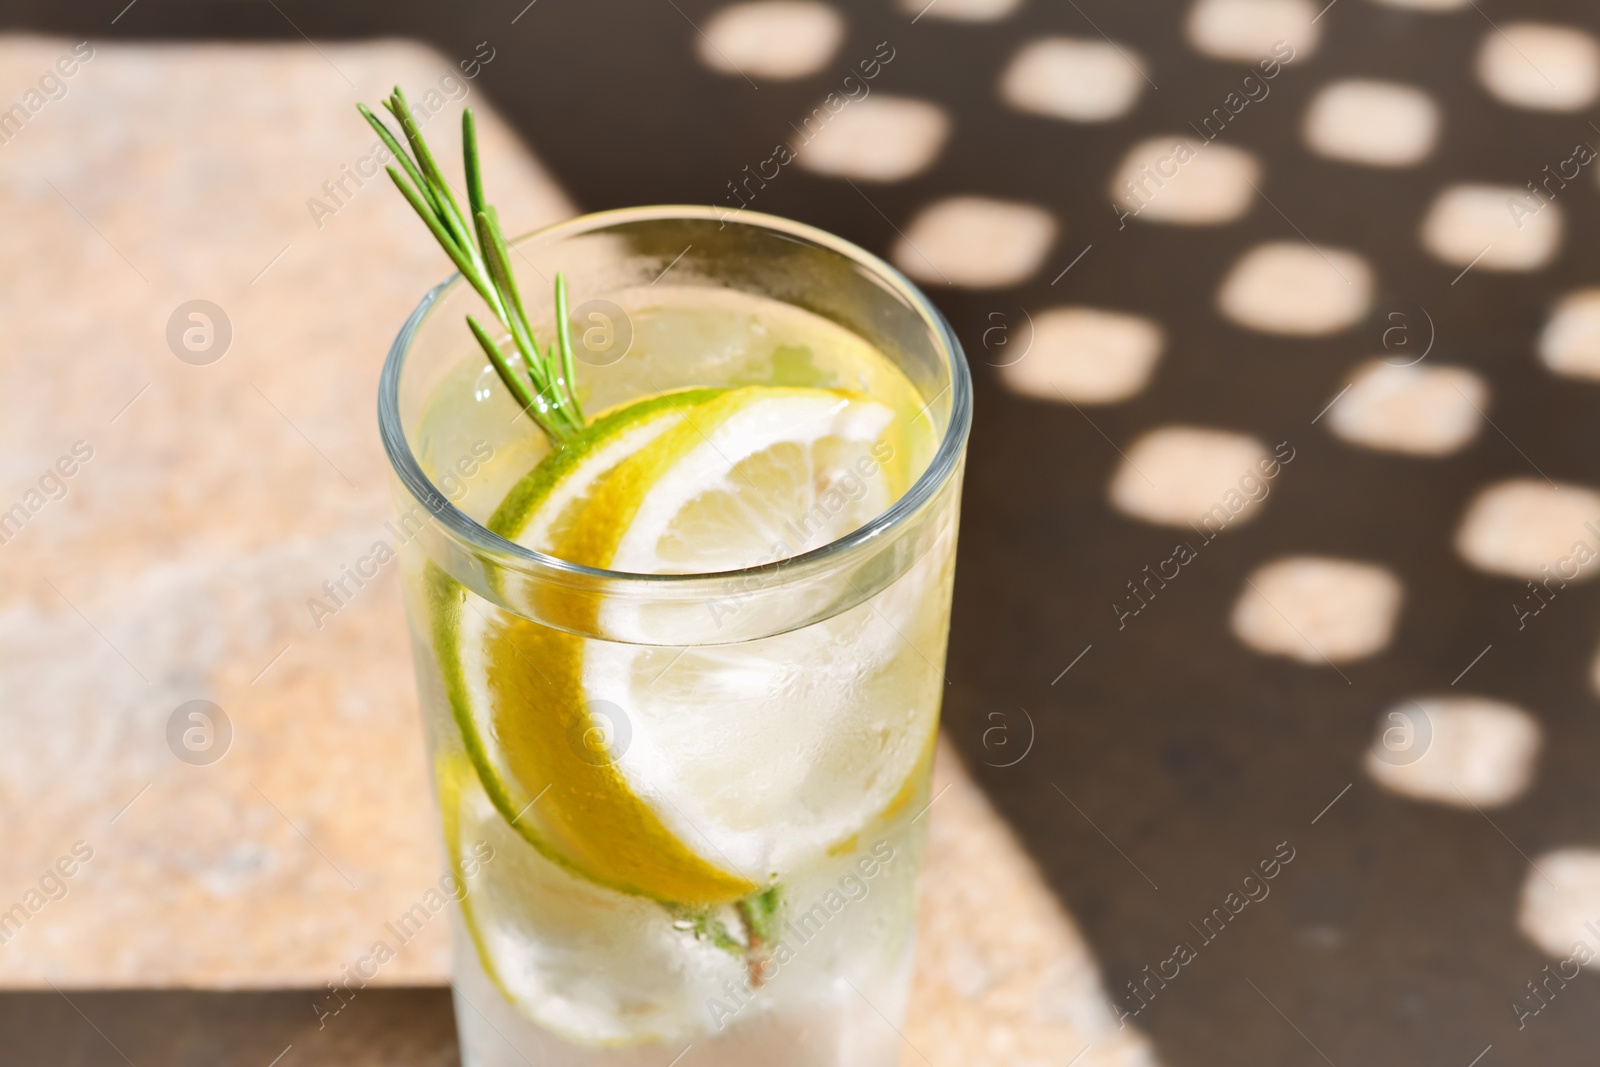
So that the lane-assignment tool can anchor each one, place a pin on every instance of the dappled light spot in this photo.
(1178, 180)
(1296, 289)
(1492, 227)
(778, 40)
(1250, 30)
(1376, 123)
(1075, 79)
(1461, 751)
(1084, 355)
(1538, 66)
(1420, 409)
(1317, 610)
(877, 139)
(1192, 475)
(976, 242)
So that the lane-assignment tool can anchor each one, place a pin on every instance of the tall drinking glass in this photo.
(682, 811)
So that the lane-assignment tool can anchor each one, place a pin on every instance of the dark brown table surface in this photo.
(1194, 755)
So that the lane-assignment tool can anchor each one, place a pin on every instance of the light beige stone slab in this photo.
(217, 499)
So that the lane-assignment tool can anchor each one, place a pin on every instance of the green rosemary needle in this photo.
(478, 248)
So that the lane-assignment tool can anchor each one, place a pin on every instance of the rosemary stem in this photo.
(475, 244)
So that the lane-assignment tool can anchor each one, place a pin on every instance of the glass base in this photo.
(843, 1026)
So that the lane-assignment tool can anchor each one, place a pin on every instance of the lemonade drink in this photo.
(681, 674)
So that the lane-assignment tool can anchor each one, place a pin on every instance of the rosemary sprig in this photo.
(477, 247)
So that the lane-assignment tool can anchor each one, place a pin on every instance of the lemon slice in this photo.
(759, 755)
(757, 474)
(698, 775)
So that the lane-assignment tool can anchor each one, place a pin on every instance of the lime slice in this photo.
(514, 688)
(698, 775)
(538, 511)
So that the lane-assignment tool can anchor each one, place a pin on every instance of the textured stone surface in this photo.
(178, 564)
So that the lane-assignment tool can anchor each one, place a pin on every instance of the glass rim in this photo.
(946, 459)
